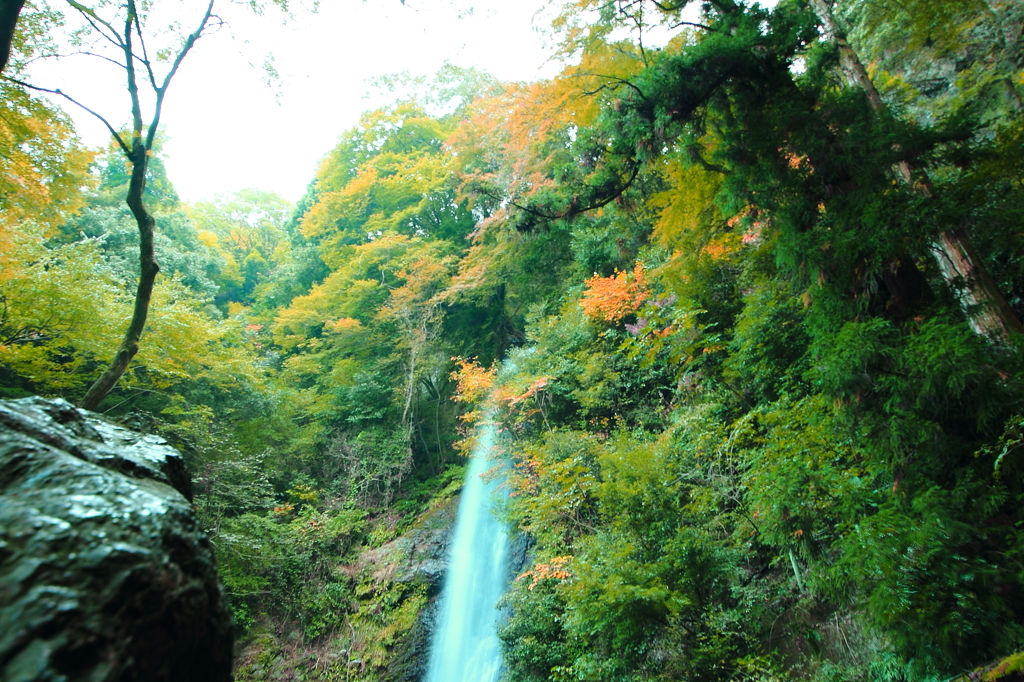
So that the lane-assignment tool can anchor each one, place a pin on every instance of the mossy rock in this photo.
(1009, 669)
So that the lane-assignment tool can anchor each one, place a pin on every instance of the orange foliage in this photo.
(752, 235)
(513, 400)
(526, 480)
(609, 299)
(342, 324)
(556, 569)
(723, 247)
(473, 382)
(283, 510)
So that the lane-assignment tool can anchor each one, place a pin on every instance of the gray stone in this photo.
(418, 555)
(104, 572)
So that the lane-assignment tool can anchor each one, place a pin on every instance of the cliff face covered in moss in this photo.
(388, 616)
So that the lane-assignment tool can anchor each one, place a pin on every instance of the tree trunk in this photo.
(148, 270)
(963, 270)
(410, 386)
(987, 310)
(9, 11)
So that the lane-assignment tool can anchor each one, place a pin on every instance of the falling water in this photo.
(465, 646)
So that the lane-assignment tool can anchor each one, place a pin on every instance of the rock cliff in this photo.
(104, 572)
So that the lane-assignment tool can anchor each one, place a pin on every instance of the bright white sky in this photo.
(226, 129)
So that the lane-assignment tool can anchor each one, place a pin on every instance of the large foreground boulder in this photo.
(104, 572)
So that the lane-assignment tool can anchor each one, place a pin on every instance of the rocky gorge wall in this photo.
(104, 571)
(388, 624)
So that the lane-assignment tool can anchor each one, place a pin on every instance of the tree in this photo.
(247, 231)
(740, 67)
(123, 37)
(959, 262)
(9, 11)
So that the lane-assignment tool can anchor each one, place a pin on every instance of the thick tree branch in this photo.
(698, 158)
(614, 82)
(694, 25)
(9, 12)
(599, 197)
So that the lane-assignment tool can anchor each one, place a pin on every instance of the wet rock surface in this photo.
(390, 619)
(421, 555)
(104, 573)
(418, 555)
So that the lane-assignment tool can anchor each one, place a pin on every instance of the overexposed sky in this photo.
(229, 130)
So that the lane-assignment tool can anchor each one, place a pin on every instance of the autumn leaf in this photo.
(609, 299)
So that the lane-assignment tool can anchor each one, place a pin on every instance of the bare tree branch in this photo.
(695, 25)
(133, 84)
(145, 53)
(575, 208)
(121, 143)
(162, 91)
(616, 81)
(90, 15)
(83, 53)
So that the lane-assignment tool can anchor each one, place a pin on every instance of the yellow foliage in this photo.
(208, 238)
(353, 290)
(42, 167)
(352, 199)
(183, 343)
(65, 313)
(416, 304)
(483, 267)
(389, 176)
(687, 207)
(61, 307)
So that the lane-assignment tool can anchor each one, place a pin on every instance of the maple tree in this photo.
(248, 231)
(43, 167)
(609, 299)
(122, 34)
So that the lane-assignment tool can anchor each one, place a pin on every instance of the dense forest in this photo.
(745, 303)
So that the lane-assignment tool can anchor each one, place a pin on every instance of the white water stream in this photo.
(465, 646)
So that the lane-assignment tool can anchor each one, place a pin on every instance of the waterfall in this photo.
(465, 646)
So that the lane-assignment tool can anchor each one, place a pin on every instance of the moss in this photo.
(1011, 667)
(1007, 669)
(364, 622)
(260, 657)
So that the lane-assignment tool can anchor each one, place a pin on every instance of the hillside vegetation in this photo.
(762, 286)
